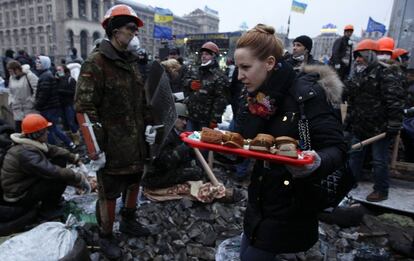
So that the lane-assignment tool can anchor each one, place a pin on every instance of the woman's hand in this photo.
(305, 170)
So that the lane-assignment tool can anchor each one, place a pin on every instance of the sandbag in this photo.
(49, 241)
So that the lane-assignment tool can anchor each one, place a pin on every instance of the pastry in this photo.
(211, 136)
(262, 142)
(233, 140)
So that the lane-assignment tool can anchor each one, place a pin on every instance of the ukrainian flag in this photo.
(298, 7)
(163, 15)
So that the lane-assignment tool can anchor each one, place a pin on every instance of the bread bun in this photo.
(262, 142)
(233, 140)
(286, 146)
(285, 139)
(211, 136)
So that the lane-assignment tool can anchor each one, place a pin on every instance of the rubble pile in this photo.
(189, 230)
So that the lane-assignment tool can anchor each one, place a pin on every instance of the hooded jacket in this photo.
(28, 161)
(281, 215)
(47, 96)
(22, 93)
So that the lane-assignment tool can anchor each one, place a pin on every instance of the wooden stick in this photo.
(206, 167)
(210, 159)
(368, 141)
(395, 151)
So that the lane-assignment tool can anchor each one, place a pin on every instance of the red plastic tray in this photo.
(245, 153)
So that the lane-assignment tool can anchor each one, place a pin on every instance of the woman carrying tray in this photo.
(281, 216)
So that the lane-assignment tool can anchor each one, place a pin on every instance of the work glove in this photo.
(195, 85)
(150, 134)
(98, 163)
(213, 124)
(305, 170)
(77, 159)
(392, 131)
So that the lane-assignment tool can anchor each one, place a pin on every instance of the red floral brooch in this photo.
(261, 105)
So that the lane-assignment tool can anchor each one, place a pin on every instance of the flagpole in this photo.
(288, 29)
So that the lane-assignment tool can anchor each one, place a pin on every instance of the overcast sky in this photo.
(233, 13)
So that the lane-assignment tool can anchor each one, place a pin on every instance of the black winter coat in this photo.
(281, 216)
(47, 96)
(66, 90)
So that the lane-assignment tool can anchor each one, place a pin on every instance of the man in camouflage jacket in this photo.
(111, 91)
(207, 92)
(376, 99)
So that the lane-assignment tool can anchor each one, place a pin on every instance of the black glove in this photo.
(392, 131)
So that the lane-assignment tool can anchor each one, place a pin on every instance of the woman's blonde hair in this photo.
(262, 41)
(173, 66)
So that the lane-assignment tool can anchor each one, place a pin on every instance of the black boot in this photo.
(129, 225)
(109, 247)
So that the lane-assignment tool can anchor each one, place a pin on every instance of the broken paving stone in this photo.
(372, 253)
(199, 251)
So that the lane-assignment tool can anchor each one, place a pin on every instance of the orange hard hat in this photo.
(33, 123)
(120, 10)
(349, 27)
(366, 44)
(398, 52)
(385, 44)
(210, 46)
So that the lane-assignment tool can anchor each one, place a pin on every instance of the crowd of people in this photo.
(270, 91)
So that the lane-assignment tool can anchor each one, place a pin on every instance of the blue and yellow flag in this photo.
(163, 15)
(298, 7)
(162, 32)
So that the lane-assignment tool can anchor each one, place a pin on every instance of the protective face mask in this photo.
(60, 74)
(299, 58)
(360, 68)
(383, 57)
(134, 46)
(207, 63)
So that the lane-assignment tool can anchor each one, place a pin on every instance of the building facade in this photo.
(208, 22)
(322, 46)
(53, 27)
(401, 26)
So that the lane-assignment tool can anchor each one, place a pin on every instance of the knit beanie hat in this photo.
(44, 61)
(305, 41)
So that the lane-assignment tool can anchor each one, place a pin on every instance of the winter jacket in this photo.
(66, 89)
(22, 93)
(342, 56)
(28, 161)
(47, 96)
(110, 90)
(281, 215)
(376, 99)
(209, 102)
